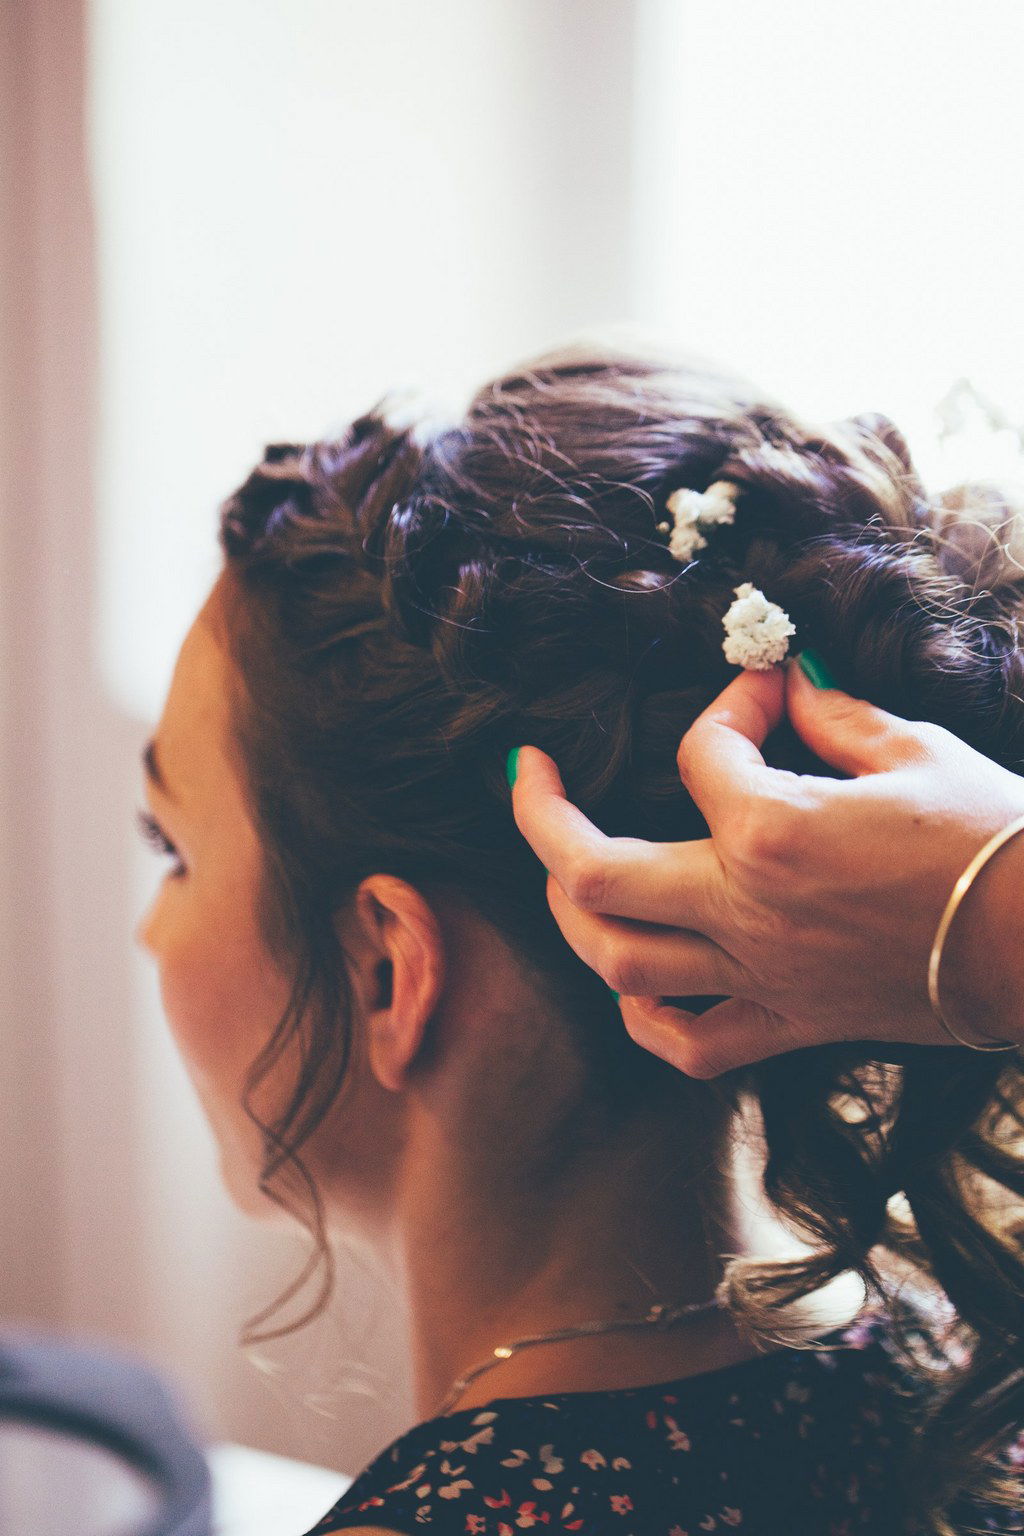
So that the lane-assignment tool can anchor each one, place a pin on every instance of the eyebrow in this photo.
(154, 773)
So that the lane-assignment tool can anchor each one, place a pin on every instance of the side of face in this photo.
(221, 991)
(432, 1043)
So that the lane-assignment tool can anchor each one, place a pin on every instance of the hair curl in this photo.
(438, 599)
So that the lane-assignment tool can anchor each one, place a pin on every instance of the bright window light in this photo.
(829, 197)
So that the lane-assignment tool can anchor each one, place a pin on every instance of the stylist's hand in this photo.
(813, 905)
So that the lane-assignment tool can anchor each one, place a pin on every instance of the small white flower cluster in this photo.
(757, 631)
(691, 508)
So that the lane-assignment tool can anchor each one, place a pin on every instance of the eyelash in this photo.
(154, 835)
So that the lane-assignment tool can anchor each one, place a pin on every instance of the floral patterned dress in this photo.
(794, 1443)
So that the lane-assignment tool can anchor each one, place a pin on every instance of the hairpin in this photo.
(690, 509)
(756, 631)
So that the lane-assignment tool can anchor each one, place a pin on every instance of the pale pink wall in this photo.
(90, 1244)
(45, 387)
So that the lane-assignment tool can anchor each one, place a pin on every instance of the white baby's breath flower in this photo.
(690, 509)
(756, 631)
(718, 503)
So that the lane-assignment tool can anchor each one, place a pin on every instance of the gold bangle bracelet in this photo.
(957, 895)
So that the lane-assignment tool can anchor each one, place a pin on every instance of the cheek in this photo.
(223, 998)
(219, 1005)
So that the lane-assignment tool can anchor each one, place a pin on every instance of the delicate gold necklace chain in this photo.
(660, 1316)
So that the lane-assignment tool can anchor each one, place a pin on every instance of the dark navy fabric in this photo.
(794, 1443)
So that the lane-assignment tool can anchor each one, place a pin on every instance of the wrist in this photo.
(981, 982)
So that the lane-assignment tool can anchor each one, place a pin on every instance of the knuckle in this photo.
(895, 742)
(638, 1028)
(697, 1056)
(703, 1065)
(685, 755)
(623, 971)
(780, 829)
(766, 836)
(587, 883)
(922, 741)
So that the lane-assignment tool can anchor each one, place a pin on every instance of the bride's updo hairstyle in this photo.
(405, 607)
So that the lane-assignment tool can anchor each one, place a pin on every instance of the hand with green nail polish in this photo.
(810, 912)
(816, 669)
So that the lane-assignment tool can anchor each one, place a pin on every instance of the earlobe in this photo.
(404, 971)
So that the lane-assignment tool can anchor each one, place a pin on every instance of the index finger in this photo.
(678, 884)
(719, 758)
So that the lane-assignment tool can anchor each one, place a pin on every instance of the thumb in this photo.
(847, 733)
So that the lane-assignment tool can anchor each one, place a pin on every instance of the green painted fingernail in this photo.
(813, 666)
(614, 994)
(512, 767)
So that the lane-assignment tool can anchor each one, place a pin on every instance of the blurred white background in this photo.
(227, 223)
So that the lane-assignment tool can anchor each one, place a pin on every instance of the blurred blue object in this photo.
(92, 1441)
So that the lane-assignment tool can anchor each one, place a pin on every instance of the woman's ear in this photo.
(400, 962)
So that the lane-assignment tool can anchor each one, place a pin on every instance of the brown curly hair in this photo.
(439, 597)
